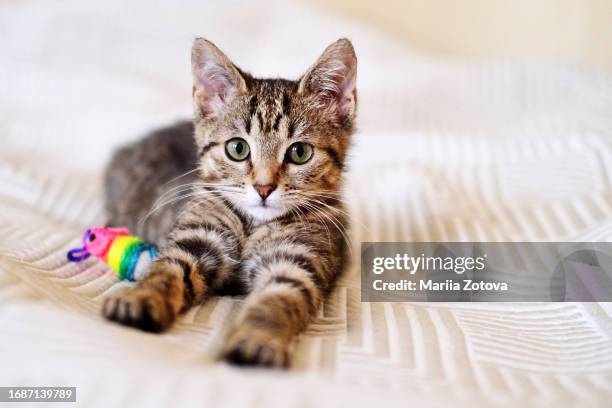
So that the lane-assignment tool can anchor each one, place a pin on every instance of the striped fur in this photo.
(284, 250)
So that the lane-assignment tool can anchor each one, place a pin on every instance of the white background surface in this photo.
(489, 151)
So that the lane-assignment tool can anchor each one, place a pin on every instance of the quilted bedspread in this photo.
(447, 151)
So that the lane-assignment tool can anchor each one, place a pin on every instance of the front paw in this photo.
(144, 309)
(256, 347)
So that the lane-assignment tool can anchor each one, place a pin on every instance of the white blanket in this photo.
(447, 151)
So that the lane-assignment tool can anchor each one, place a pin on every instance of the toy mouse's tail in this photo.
(78, 254)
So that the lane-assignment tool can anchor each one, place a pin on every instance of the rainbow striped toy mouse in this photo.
(129, 256)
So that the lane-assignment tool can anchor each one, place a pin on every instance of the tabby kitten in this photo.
(262, 214)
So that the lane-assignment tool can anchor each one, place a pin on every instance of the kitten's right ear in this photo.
(216, 81)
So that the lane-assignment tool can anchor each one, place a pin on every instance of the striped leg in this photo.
(198, 259)
(284, 300)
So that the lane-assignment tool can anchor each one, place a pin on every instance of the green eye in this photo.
(299, 153)
(237, 149)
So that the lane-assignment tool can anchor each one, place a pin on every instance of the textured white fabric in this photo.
(447, 151)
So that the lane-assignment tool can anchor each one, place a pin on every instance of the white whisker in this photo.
(181, 176)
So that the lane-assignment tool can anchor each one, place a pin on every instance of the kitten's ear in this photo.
(331, 80)
(216, 81)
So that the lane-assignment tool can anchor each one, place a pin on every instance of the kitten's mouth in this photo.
(264, 211)
(273, 204)
(267, 205)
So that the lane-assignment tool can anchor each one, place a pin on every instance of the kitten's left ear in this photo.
(331, 80)
(216, 81)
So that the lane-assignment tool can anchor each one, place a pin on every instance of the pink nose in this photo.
(264, 190)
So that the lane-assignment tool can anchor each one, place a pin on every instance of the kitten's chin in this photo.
(262, 214)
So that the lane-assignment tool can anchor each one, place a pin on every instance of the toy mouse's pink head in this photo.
(96, 241)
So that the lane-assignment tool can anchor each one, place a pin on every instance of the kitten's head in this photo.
(270, 146)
